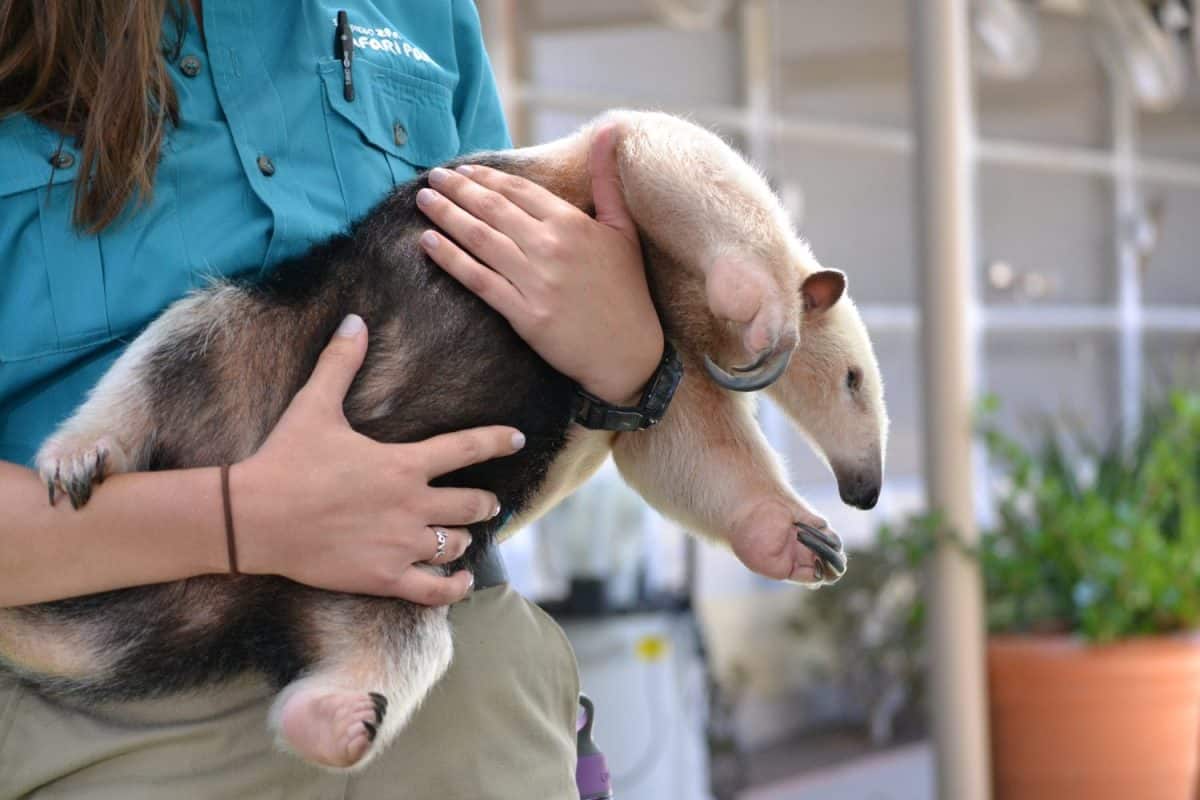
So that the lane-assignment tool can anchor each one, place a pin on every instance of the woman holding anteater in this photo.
(149, 145)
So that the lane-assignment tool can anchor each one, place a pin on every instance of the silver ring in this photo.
(441, 542)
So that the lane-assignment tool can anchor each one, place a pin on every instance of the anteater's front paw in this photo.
(788, 542)
(75, 467)
(827, 546)
(743, 293)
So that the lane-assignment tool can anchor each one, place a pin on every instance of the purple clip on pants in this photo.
(591, 770)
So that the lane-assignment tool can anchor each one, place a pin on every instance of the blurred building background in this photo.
(1087, 285)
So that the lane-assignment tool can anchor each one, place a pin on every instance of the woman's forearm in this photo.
(139, 528)
(357, 521)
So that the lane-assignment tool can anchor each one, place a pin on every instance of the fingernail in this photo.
(518, 440)
(495, 511)
(465, 169)
(426, 196)
(351, 326)
(471, 583)
(429, 239)
(438, 176)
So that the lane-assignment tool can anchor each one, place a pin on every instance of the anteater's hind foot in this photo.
(328, 726)
(378, 660)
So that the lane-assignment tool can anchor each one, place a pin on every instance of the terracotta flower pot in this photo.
(1070, 720)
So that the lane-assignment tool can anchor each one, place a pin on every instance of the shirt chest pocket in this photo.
(51, 277)
(397, 125)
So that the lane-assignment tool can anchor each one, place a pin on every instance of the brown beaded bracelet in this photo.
(230, 541)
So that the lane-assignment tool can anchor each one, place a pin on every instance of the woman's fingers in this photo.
(475, 235)
(607, 192)
(451, 451)
(478, 200)
(534, 199)
(338, 364)
(419, 586)
(452, 506)
(446, 544)
(490, 286)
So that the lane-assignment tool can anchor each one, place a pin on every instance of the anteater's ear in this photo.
(822, 289)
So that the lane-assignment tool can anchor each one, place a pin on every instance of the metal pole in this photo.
(1126, 215)
(945, 200)
(758, 58)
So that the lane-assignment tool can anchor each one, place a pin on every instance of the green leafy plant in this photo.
(1100, 541)
(1103, 541)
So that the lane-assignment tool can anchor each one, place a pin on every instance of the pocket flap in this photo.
(26, 150)
(407, 116)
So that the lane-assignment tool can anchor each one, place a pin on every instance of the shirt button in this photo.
(400, 135)
(61, 160)
(190, 66)
(266, 166)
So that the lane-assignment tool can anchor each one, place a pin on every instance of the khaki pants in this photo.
(500, 724)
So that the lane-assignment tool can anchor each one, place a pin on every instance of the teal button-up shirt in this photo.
(268, 158)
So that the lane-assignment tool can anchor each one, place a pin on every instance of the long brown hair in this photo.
(93, 70)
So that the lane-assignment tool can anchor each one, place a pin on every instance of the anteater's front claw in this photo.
(75, 475)
(380, 702)
(827, 547)
(79, 492)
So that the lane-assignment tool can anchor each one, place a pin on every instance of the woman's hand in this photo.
(326, 506)
(571, 286)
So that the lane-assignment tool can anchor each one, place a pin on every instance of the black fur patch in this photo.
(449, 362)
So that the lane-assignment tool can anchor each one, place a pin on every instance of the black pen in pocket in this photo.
(343, 48)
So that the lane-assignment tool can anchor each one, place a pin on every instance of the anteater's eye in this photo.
(853, 380)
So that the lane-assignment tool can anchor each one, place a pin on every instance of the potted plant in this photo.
(1092, 574)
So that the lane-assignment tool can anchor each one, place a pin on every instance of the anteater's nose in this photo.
(859, 493)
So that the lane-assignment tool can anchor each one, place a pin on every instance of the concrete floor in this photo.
(903, 773)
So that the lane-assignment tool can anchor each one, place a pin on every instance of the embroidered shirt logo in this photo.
(387, 40)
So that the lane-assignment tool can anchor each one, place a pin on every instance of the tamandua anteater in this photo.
(205, 383)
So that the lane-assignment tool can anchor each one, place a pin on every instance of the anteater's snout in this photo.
(860, 491)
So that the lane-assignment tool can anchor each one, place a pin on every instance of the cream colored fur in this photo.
(736, 290)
